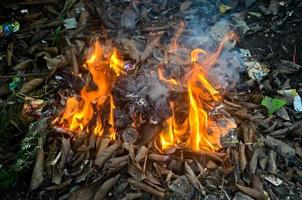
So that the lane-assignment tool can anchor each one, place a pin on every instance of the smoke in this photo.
(204, 29)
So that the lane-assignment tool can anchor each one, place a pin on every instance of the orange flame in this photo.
(79, 113)
(193, 133)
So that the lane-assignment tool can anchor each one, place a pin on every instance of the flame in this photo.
(79, 113)
(194, 132)
(170, 82)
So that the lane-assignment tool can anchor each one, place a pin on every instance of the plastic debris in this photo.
(297, 103)
(273, 180)
(7, 29)
(294, 94)
(272, 105)
(245, 53)
(230, 139)
(15, 84)
(70, 23)
(224, 8)
(256, 70)
(129, 66)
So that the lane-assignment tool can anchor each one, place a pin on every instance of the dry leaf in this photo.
(141, 154)
(103, 145)
(84, 193)
(146, 188)
(242, 157)
(113, 162)
(193, 179)
(105, 188)
(131, 47)
(37, 175)
(107, 153)
(149, 48)
(259, 195)
(31, 85)
(23, 65)
(129, 18)
(185, 5)
(131, 196)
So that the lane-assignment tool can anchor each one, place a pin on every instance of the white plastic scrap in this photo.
(297, 99)
(273, 180)
(256, 70)
(70, 23)
(297, 103)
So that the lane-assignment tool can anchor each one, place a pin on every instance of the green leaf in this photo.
(272, 105)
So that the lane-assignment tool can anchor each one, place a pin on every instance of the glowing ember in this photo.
(194, 132)
(79, 113)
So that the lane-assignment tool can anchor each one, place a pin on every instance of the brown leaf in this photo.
(211, 165)
(129, 18)
(31, 85)
(107, 153)
(242, 157)
(105, 188)
(193, 179)
(141, 154)
(37, 175)
(132, 48)
(23, 65)
(146, 188)
(149, 48)
(185, 5)
(103, 145)
(113, 162)
(131, 196)
(84, 193)
(259, 195)
(158, 157)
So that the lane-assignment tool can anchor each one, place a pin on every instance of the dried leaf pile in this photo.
(42, 65)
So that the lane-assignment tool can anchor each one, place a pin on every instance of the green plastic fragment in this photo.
(272, 104)
(15, 84)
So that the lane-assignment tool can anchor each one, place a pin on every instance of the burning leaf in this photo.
(272, 105)
(31, 85)
(105, 188)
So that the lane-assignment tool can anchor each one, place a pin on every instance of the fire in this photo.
(194, 133)
(83, 113)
